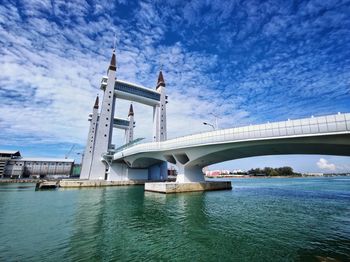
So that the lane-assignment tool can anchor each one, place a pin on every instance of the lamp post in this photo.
(208, 124)
(82, 156)
(216, 120)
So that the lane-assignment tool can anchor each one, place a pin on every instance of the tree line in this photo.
(270, 171)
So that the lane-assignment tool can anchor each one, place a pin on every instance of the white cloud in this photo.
(324, 164)
(53, 55)
(50, 76)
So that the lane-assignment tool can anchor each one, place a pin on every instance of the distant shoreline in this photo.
(247, 176)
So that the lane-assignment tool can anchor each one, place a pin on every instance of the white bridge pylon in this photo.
(96, 161)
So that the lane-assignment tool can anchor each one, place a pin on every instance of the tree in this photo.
(274, 173)
(285, 171)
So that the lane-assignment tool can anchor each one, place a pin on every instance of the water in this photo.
(290, 219)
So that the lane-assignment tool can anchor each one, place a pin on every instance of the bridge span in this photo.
(315, 135)
(149, 161)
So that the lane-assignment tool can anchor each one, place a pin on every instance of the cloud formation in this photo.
(324, 164)
(247, 61)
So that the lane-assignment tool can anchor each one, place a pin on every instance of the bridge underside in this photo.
(290, 146)
(202, 156)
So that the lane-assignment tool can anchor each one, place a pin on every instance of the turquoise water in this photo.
(288, 219)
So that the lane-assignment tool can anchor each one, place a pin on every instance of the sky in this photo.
(249, 62)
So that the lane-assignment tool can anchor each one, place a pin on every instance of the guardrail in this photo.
(305, 126)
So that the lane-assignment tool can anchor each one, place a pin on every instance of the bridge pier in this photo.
(189, 174)
(158, 171)
(189, 179)
(122, 172)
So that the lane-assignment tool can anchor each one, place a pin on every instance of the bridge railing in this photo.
(307, 126)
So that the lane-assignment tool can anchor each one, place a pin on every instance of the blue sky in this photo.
(248, 61)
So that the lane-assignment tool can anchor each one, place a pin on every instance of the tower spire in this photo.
(161, 81)
(114, 41)
(131, 110)
(113, 63)
(96, 102)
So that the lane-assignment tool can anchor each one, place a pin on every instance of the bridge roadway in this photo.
(132, 92)
(121, 123)
(329, 135)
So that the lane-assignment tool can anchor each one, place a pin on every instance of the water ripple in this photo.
(259, 220)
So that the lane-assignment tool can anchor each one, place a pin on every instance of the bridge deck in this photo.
(132, 92)
(121, 123)
(313, 126)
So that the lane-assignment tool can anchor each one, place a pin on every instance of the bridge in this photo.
(149, 161)
(316, 135)
(132, 92)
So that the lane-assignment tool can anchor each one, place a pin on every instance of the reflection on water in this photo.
(259, 220)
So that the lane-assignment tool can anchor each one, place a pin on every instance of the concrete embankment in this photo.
(46, 185)
(6, 181)
(173, 187)
(66, 183)
(154, 186)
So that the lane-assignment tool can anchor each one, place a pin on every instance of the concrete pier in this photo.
(174, 187)
(97, 183)
(46, 185)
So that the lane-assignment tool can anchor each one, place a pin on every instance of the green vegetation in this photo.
(269, 171)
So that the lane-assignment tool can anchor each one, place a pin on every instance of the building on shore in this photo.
(5, 156)
(12, 165)
(313, 174)
(39, 168)
(217, 172)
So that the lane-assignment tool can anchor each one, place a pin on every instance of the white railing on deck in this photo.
(298, 127)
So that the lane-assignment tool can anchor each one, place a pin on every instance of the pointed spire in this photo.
(96, 103)
(161, 81)
(131, 111)
(113, 63)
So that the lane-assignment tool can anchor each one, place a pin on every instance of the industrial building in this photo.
(5, 156)
(12, 165)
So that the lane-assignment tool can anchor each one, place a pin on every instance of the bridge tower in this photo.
(90, 144)
(98, 161)
(159, 112)
(129, 133)
(105, 124)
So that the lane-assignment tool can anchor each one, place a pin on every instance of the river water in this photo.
(286, 219)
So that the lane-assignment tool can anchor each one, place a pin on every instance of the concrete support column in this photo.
(105, 125)
(158, 171)
(90, 144)
(131, 129)
(156, 123)
(189, 174)
(126, 136)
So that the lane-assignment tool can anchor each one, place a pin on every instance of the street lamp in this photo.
(216, 120)
(208, 124)
(82, 156)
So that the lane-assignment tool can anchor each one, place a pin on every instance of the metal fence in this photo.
(299, 127)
